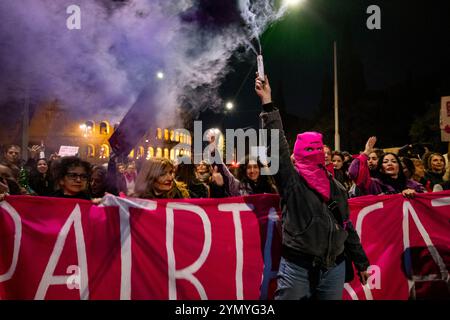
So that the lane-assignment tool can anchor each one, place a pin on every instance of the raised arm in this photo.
(272, 120)
(359, 169)
(230, 182)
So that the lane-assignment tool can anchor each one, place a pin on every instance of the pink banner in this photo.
(206, 249)
(135, 249)
(407, 243)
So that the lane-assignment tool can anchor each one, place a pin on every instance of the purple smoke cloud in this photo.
(103, 67)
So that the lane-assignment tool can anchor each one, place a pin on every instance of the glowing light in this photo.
(229, 105)
(293, 3)
(160, 75)
(82, 126)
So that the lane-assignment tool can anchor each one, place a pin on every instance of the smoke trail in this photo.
(103, 67)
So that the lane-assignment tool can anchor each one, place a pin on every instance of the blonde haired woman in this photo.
(157, 180)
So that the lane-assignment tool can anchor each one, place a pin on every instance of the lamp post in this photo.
(337, 139)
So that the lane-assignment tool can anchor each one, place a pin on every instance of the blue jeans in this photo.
(295, 282)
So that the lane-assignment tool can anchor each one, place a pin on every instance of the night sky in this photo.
(388, 78)
(413, 43)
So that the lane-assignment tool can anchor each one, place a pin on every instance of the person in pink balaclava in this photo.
(318, 238)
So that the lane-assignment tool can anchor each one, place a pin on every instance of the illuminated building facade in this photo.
(56, 127)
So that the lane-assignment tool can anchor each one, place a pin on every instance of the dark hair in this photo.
(380, 153)
(186, 173)
(46, 161)
(101, 169)
(11, 145)
(339, 154)
(400, 182)
(63, 166)
(345, 164)
(348, 161)
(34, 169)
(409, 165)
(264, 182)
(242, 171)
(425, 157)
(346, 154)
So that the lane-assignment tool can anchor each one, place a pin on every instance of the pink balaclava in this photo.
(311, 164)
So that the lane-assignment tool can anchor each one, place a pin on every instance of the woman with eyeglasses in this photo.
(72, 176)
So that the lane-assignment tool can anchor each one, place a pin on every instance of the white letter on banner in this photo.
(408, 208)
(236, 208)
(48, 278)
(125, 236)
(268, 273)
(17, 240)
(350, 291)
(362, 214)
(440, 202)
(188, 272)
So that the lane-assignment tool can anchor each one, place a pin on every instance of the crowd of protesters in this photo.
(72, 177)
(369, 172)
(313, 181)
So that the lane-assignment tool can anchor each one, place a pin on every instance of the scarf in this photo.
(130, 177)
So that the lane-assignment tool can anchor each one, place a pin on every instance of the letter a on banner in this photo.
(408, 209)
(48, 278)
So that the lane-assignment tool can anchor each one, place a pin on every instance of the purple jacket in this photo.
(359, 173)
(234, 186)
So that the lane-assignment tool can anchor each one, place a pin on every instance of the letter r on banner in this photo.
(188, 272)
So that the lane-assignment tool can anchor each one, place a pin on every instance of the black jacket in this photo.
(80, 195)
(310, 228)
(42, 185)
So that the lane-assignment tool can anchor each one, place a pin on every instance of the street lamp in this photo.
(229, 106)
(293, 2)
(160, 75)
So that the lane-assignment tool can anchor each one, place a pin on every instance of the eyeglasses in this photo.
(74, 176)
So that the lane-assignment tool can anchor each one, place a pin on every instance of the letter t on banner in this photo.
(236, 208)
